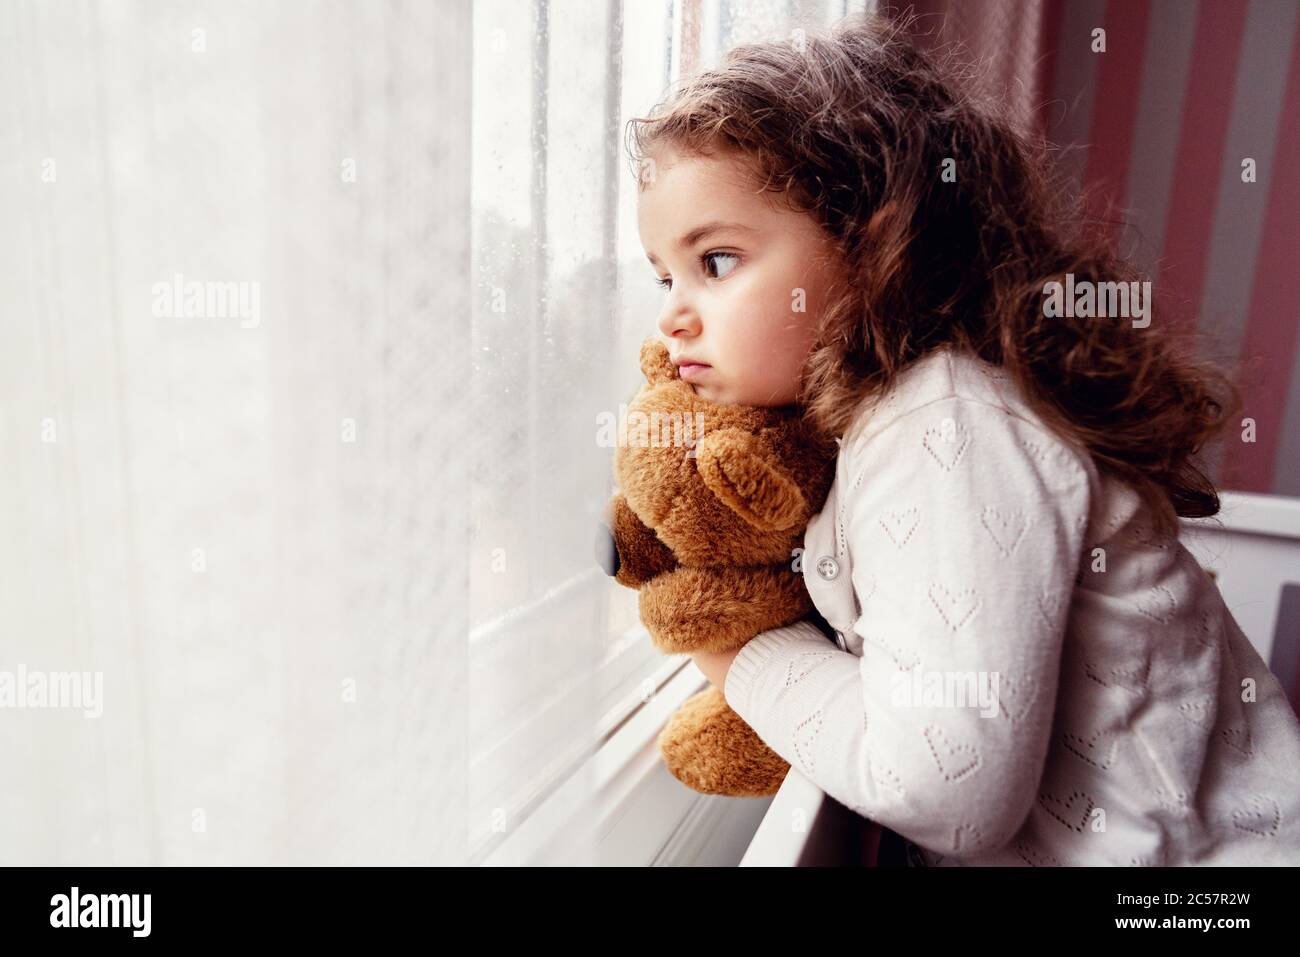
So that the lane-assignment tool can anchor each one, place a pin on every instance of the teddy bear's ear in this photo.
(656, 366)
(743, 472)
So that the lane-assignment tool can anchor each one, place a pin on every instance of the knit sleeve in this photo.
(965, 526)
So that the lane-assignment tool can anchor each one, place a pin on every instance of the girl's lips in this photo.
(691, 371)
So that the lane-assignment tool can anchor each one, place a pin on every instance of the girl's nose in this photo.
(678, 317)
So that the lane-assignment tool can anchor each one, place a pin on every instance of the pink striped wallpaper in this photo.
(1160, 125)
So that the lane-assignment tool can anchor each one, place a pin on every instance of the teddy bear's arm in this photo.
(641, 555)
(745, 474)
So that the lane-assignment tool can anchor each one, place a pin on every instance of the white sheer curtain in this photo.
(253, 522)
(321, 524)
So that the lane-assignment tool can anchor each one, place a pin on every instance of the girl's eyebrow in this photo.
(701, 232)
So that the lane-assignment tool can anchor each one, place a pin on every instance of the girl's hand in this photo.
(715, 665)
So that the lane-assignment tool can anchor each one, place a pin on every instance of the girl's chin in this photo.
(715, 396)
(712, 393)
(705, 392)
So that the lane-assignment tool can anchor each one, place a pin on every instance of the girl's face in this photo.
(745, 282)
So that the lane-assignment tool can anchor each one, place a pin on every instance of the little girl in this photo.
(1029, 668)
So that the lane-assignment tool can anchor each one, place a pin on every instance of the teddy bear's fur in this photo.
(707, 531)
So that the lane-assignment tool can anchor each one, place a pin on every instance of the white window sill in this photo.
(797, 810)
(622, 807)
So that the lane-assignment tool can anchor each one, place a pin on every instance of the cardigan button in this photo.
(828, 568)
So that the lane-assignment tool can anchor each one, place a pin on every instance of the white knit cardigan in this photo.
(1025, 674)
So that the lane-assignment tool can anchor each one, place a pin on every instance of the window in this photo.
(328, 545)
(563, 299)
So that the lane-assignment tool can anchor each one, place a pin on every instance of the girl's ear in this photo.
(656, 366)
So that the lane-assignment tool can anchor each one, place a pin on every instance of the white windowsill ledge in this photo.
(783, 832)
(622, 807)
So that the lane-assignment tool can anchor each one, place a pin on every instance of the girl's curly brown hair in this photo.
(851, 125)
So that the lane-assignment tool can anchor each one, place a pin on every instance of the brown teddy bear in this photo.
(713, 501)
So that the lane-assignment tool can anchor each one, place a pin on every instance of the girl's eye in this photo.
(709, 256)
(704, 261)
